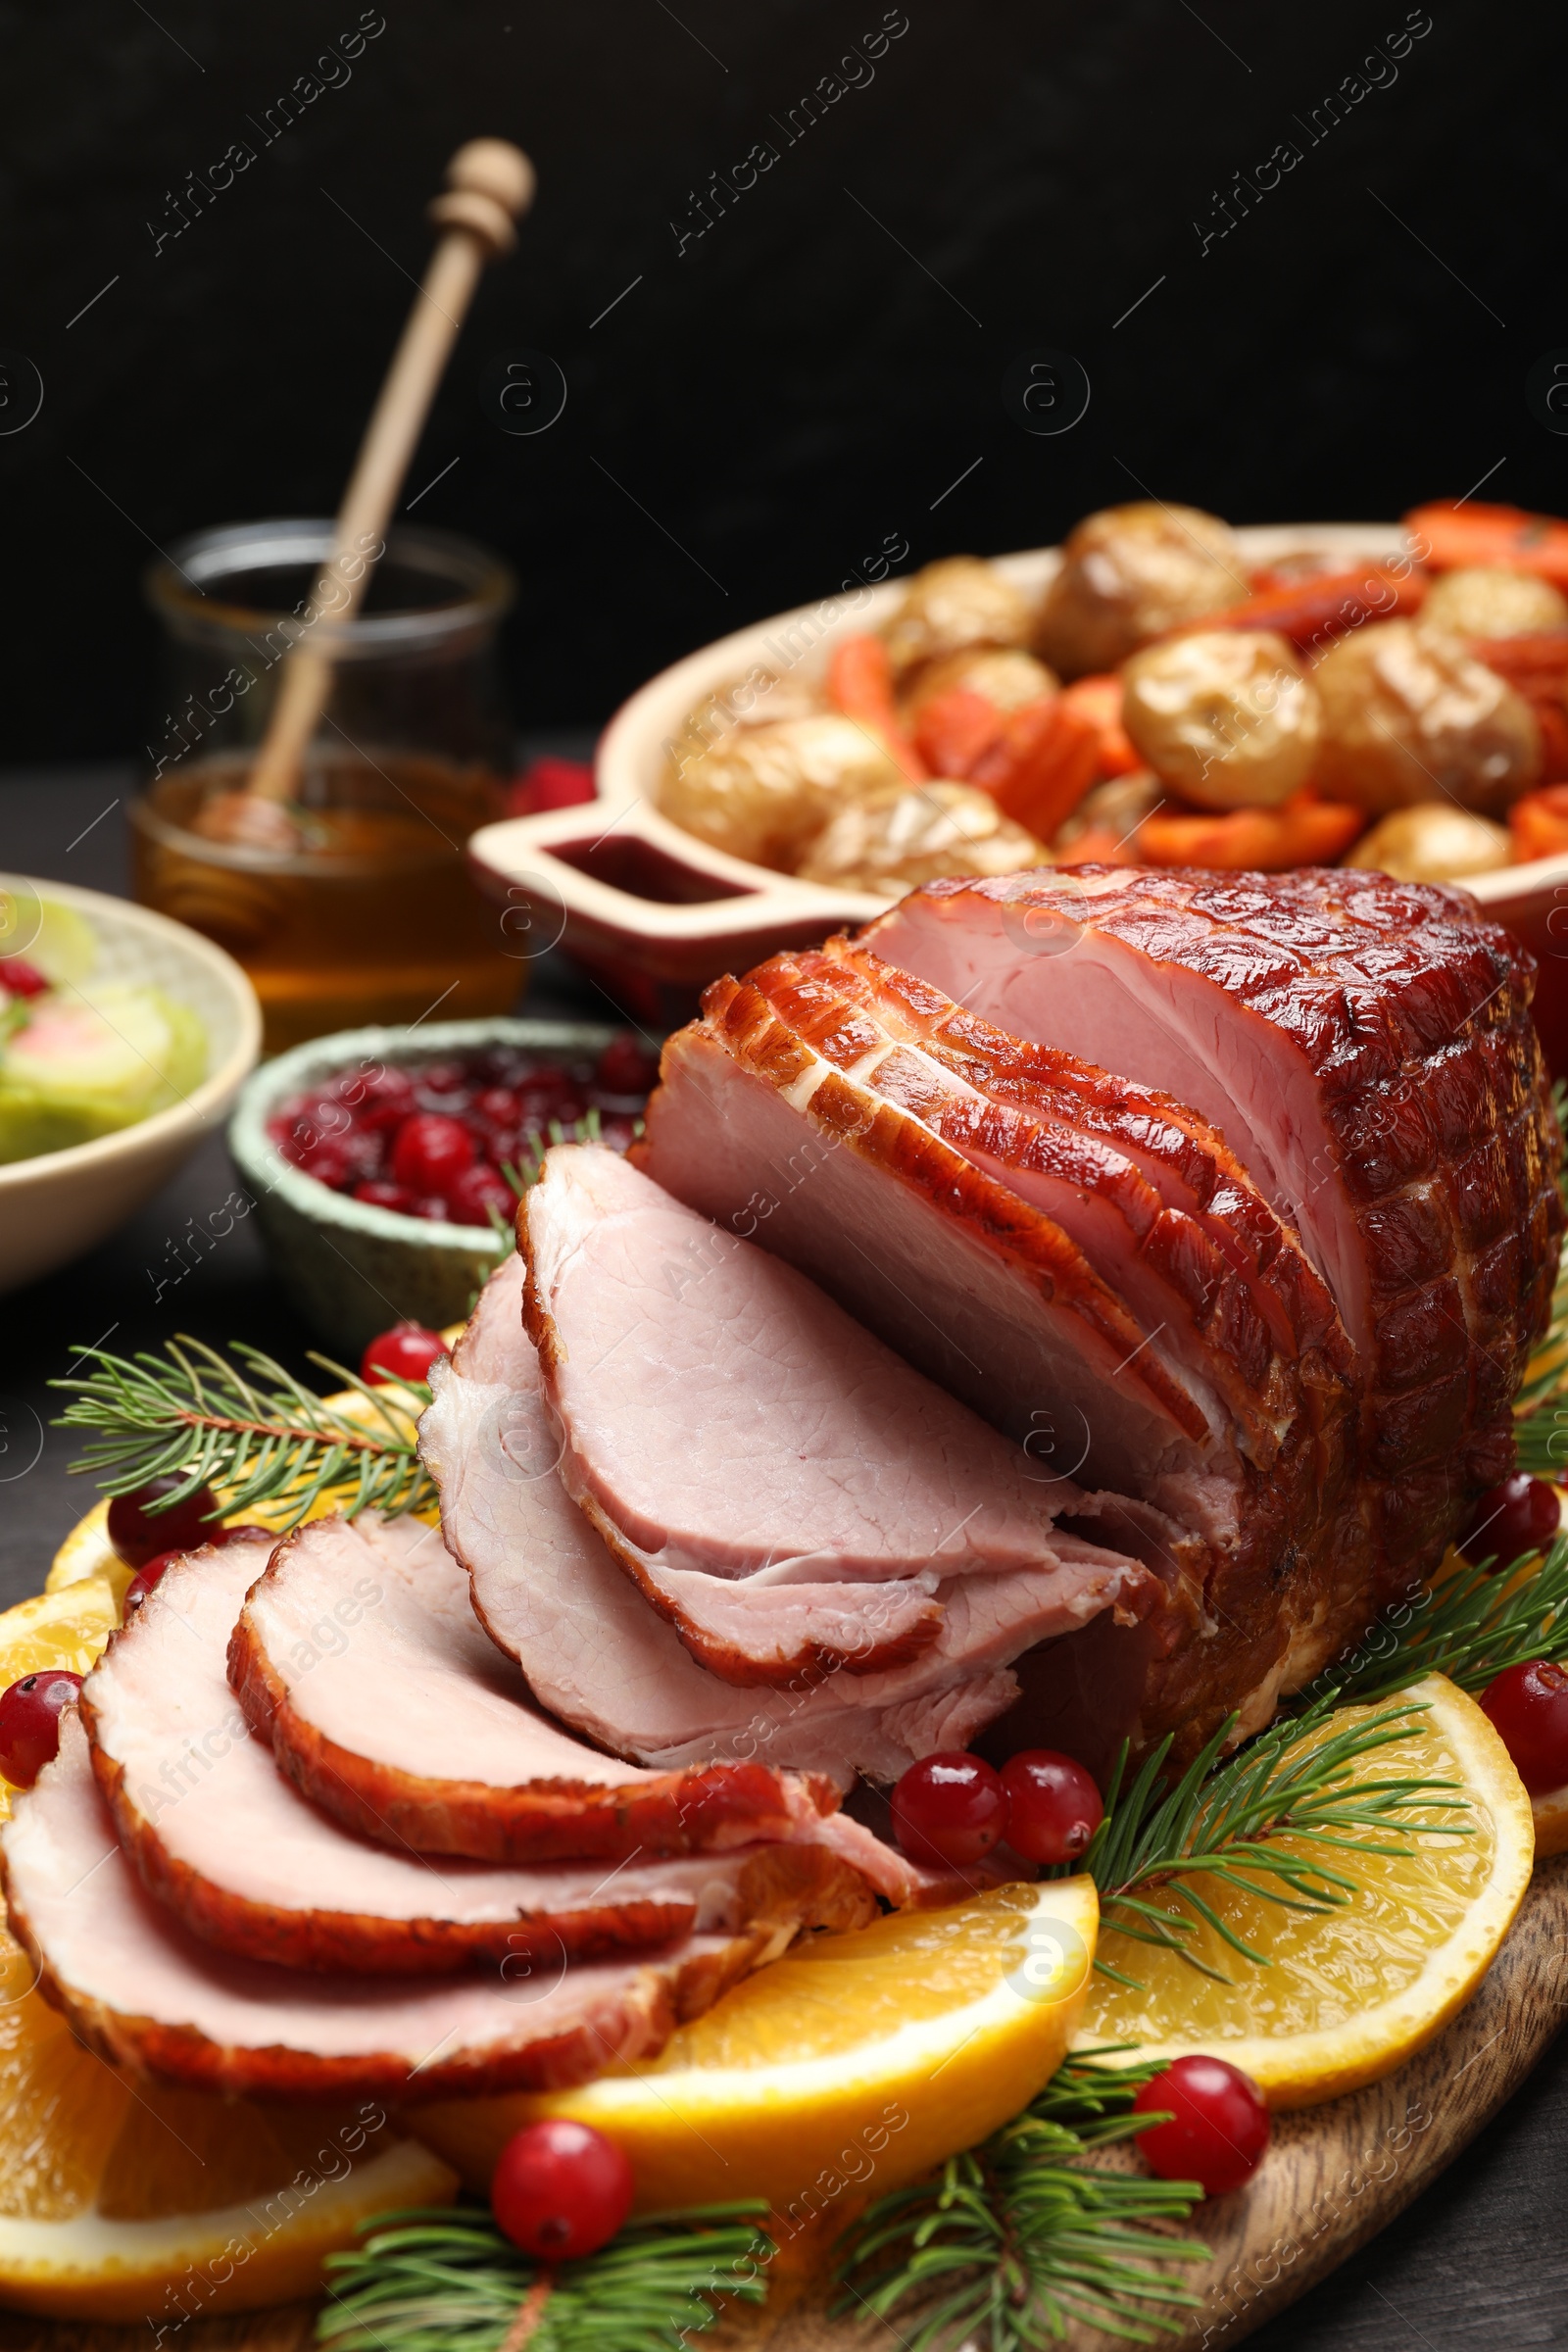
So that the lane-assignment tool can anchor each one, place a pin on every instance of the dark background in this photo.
(794, 385)
(753, 418)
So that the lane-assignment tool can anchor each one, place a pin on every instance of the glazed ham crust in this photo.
(1367, 1049)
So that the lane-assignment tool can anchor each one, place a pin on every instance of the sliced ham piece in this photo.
(219, 1834)
(1367, 1050)
(359, 1656)
(549, 1594)
(724, 1416)
(148, 1996)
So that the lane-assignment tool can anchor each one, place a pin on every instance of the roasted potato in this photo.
(1130, 572)
(765, 793)
(1433, 841)
(956, 602)
(1487, 600)
(903, 838)
(1408, 715)
(1228, 718)
(1005, 675)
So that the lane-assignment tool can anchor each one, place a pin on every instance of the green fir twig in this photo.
(1472, 1625)
(248, 1429)
(444, 2279)
(1020, 2239)
(1221, 1820)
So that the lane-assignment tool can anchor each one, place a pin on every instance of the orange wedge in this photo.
(1351, 1993)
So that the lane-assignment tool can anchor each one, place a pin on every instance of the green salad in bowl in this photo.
(74, 1065)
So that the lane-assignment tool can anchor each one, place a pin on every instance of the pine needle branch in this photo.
(1470, 1626)
(249, 1430)
(1020, 2239)
(1223, 1820)
(444, 2279)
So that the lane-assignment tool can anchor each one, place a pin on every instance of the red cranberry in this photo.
(624, 1068)
(550, 783)
(561, 2189)
(948, 1808)
(472, 1196)
(404, 1353)
(139, 1534)
(146, 1579)
(330, 1161)
(30, 1723)
(1053, 1807)
(497, 1106)
(1528, 1705)
(382, 1194)
(1519, 1516)
(430, 1151)
(1219, 2126)
(386, 1099)
(20, 977)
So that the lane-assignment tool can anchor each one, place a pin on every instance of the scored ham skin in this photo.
(230, 1845)
(1367, 1049)
(1247, 1592)
(414, 1730)
(739, 1442)
(146, 1994)
(549, 1594)
(1194, 1302)
(1185, 1161)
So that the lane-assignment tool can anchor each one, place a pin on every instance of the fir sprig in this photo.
(248, 1430)
(1470, 1626)
(1019, 2238)
(444, 2279)
(1302, 1779)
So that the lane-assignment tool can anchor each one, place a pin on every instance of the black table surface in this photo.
(1480, 2261)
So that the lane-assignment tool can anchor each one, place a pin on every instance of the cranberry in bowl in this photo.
(386, 1164)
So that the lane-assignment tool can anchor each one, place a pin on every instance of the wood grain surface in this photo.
(1333, 2178)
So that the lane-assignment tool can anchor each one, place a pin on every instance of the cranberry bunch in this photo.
(952, 1807)
(432, 1140)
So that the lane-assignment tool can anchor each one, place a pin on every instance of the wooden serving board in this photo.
(1333, 2178)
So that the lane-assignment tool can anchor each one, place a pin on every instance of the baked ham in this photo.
(1367, 1049)
(147, 1994)
(968, 1192)
(418, 1735)
(220, 1838)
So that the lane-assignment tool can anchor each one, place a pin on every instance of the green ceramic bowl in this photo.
(350, 1269)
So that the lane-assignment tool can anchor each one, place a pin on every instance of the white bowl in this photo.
(623, 887)
(61, 1204)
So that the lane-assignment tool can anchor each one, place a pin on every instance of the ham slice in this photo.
(148, 1996)
(725, 1419)
(231, 1846)
(549, 1594)
(1367, 1050)
(359, 1657)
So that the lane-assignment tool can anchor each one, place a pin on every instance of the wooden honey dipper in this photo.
(490, 185)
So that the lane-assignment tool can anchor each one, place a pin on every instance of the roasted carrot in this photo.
(1536, 666)
(859, 683)
(953, 729)
(1453, 532)
(1100, 698)
(1538, 823)
(1313, 611)
(1042, 765)
(1305, 831)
